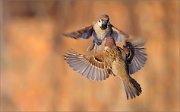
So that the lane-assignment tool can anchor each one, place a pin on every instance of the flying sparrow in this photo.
(114, 60)
(101, 29)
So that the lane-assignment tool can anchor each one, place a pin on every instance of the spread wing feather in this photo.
(118, 35)
(83, 33)
(92, 67)
(137, 56)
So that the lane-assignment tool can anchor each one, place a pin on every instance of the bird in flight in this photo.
(115, 61)
(99, 30)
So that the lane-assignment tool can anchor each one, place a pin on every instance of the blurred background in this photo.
(35, 77)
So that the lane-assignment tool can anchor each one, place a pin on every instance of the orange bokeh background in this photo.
(35, 77)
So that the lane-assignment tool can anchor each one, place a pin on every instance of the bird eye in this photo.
(99, 21)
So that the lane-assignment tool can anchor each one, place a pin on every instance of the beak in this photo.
(104, 24)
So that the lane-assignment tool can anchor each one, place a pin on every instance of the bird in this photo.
(98, 30)
(114, 60)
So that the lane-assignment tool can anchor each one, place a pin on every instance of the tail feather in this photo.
(132, 88)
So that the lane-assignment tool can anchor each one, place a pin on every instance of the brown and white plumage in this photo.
(100, 30)
(114, 60)
(92, 67)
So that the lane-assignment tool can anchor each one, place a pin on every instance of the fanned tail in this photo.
(132, 88)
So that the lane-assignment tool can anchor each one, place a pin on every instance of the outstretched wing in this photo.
(92, 67)
(136, 56)
(84, 33)
(118, 35)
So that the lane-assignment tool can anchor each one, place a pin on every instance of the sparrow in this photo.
(115, 61)
(99, 30)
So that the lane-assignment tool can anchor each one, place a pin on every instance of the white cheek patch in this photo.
(100, 23)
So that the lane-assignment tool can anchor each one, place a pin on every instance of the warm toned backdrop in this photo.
(34, 75)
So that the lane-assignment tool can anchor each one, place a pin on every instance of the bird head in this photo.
(103, 21)
(109, 42)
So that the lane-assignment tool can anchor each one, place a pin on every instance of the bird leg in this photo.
(91, 47)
